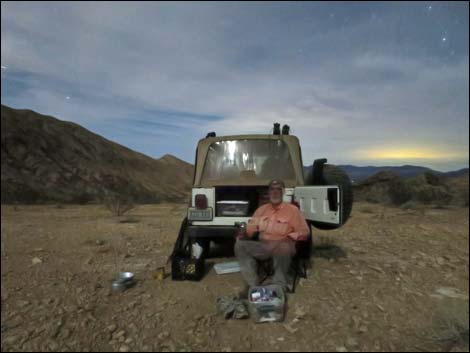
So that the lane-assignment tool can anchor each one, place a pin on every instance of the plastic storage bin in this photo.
(267, 303)
(232, 208)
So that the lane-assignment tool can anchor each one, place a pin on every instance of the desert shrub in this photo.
(464, 198)
(118, 204)
(429, 194)
(399, 193)
(450, 322)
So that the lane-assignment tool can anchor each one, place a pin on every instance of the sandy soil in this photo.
(391, 279)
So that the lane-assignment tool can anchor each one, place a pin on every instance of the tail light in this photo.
(200, 201)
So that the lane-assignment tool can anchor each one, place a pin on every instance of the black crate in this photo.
(183, 267)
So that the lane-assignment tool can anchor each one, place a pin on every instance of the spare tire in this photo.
(332, 175)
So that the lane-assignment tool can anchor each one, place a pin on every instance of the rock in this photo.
(440, 261)
(53, 346)
(290, 329)
(36, 261)
(111, 328)
(23, 303)
(363, 329)
(124, 348)
(99, 242)
(450, 292)
(119, 334)
(299, 312)
(376, 268)
(341, 349)
(352, 342)
(164, 335)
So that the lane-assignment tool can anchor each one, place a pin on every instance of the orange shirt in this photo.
(278, 223)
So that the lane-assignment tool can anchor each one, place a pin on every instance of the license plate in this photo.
(200, 215)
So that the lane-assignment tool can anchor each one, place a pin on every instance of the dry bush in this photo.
(118, 204)
(450, 323)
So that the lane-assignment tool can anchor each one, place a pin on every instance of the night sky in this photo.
(359, 83)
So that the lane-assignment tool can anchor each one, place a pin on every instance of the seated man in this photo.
(279, 225)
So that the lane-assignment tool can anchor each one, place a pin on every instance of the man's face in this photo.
(275, 194)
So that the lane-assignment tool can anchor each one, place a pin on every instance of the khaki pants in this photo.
(248, 251)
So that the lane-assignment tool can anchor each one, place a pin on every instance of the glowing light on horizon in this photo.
(407, 154)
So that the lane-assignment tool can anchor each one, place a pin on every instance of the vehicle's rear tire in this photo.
(332, 175)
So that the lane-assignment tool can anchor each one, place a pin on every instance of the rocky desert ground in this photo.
(392, 279)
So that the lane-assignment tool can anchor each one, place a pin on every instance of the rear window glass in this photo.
(248, 159)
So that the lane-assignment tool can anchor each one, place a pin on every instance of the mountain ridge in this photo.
(45, 159)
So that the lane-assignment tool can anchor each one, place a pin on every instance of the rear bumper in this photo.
(215, 232)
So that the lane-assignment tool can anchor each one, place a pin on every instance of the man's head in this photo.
(276, 191)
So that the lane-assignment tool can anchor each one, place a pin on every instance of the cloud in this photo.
(371, 75)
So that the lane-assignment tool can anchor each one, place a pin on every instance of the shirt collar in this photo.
(278, 207)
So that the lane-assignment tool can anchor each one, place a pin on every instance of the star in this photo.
(444, 39)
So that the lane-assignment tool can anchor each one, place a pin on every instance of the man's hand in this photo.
(241, 233)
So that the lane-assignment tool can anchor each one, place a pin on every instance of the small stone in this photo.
(352, 342)
(440, 261)
(119, 334)
(341, 349)
(124, 348)
(290, 329)
(53, 346)
(164, 335)
(36, 261)
(23, 303)
(111, 328)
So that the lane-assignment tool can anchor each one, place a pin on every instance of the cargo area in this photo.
(237, 201)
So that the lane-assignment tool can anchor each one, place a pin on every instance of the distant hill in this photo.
(426, 188)
(48, 160)
(358, 174)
